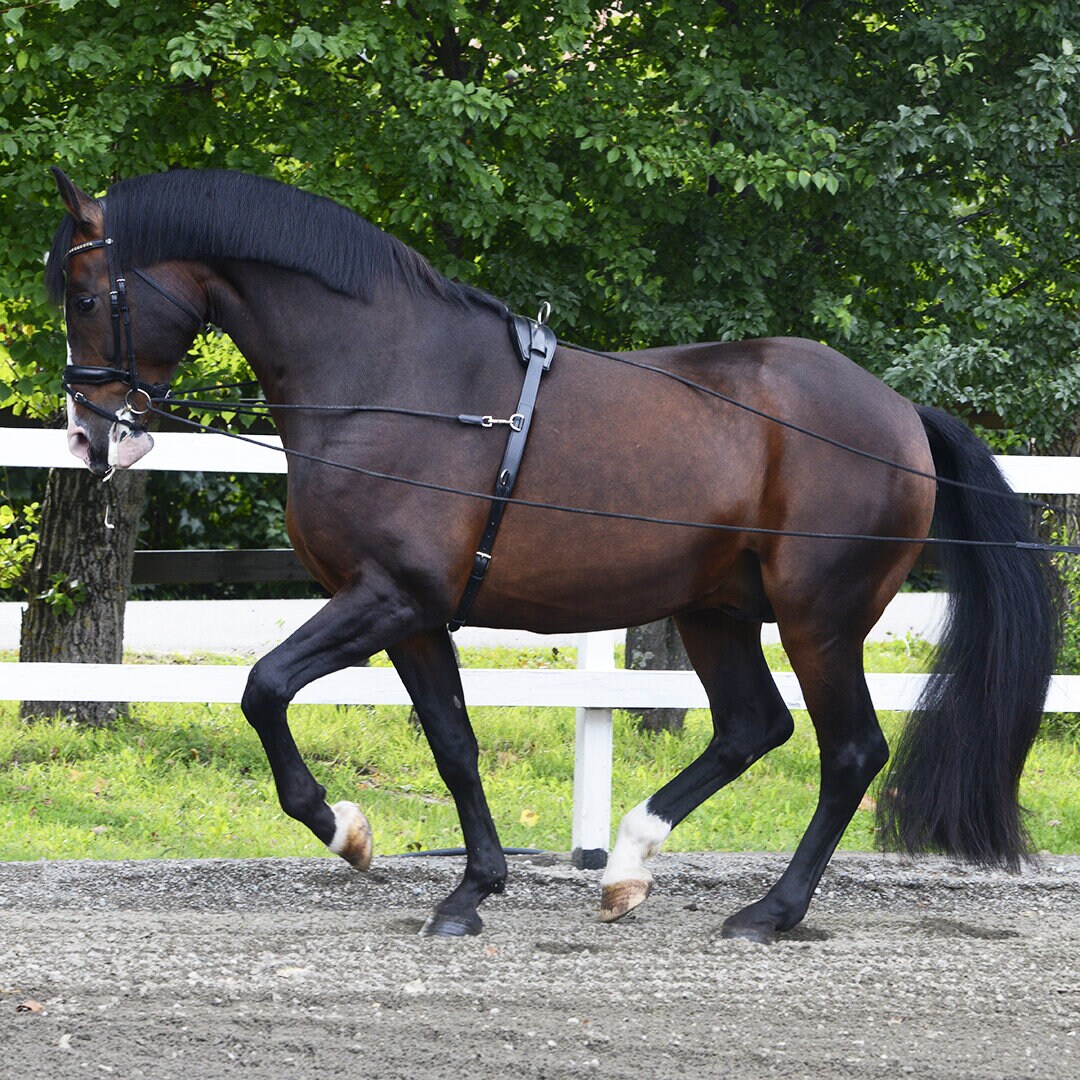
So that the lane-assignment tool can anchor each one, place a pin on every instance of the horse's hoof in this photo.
(621, 898)
(352, 837)
(452, 926)
(762, 933)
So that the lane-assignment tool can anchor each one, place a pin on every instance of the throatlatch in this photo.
(535, 343)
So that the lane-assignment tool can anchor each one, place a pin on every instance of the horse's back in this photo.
(800, 411)
(804, 379)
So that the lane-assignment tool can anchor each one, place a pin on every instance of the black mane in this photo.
(211, 214)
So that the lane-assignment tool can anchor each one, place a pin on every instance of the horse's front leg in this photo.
(429, 671)
(346, 631)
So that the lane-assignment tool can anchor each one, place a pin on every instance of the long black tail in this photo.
(953, 781)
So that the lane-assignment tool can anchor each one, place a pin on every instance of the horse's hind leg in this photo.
(852, 750)
(749, 719)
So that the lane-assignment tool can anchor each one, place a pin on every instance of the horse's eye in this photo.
(86, 303)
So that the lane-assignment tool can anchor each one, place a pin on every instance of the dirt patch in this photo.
(303, 968)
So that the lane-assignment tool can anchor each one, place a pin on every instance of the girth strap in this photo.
(535, 344)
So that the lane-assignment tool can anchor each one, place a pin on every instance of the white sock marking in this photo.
(640, 836)
(344, 817)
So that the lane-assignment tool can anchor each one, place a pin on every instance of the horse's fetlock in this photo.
(303, 806)
(489, 879)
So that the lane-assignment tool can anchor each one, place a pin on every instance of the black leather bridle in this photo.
(76, 375)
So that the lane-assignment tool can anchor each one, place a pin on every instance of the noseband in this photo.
(84, 375)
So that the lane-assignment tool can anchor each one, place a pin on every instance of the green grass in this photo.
(191, 780)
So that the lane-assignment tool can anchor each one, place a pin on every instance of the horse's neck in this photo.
(307, 343)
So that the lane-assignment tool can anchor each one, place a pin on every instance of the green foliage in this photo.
(18, 538)
(1068, 569)
(216, 373)
(975, 378)
(63, 593)
(217, 510)
(678, 171)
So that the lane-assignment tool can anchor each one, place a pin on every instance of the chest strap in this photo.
(535, 344)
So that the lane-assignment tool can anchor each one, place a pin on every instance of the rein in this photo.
(256, 407)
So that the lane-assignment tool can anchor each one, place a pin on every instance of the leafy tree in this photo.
(900, 179)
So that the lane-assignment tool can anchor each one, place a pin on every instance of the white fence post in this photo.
(591, 829)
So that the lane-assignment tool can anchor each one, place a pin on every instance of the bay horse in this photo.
(815, 533)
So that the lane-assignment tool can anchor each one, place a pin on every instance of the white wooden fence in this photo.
(594, 689)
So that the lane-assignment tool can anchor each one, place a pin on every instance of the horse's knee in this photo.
(778, 728)
(264, 703)
(264, 693)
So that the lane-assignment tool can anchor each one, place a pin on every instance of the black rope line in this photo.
(259, 407)
(828, 440)
(487, 497)
(180, 395)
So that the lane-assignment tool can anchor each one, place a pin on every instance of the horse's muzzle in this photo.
(104, 446)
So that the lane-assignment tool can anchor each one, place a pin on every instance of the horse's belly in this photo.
(624, 580)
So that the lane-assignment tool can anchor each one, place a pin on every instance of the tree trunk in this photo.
(79, 581)
(656, 647)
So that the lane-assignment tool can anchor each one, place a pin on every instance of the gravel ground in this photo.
(303, 968)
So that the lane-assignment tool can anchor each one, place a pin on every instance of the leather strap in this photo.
(535, 343)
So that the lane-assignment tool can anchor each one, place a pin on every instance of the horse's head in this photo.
(126, 332)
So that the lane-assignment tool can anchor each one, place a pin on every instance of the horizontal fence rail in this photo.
(594, 689)
(173, 452)
(206, 567)
(591, 689)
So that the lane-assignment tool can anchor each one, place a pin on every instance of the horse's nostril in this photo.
(79, 443)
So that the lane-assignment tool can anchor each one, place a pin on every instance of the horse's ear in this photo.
(85, 210)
